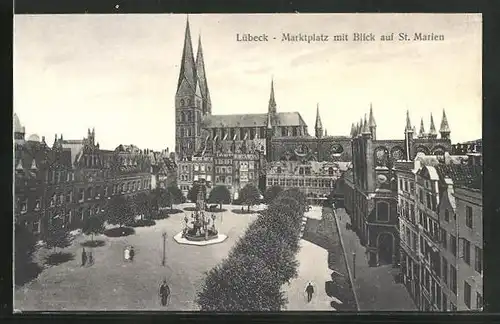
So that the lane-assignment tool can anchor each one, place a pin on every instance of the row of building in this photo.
(73, 179)
(417, 202)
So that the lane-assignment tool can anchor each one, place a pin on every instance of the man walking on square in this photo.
(164, 292)
(310, 292)
(84, 257)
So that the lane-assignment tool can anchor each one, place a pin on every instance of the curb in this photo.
(345, 258)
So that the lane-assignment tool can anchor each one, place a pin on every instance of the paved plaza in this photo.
(113, 284)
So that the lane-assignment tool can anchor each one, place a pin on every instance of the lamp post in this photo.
(354, 265)
(164, 235)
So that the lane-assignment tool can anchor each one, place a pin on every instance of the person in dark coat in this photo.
(132, 253)
(310, 292)
(164, 292)
(84, 257)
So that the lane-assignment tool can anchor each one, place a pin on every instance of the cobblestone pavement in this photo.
(112, 284)
(375, 286)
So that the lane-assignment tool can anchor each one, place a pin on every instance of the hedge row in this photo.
(251, 277)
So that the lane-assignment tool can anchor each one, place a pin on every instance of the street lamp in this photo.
(354, 265)
(164, 235)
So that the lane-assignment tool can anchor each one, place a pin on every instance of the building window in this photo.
(401, 184)
(453, 279)
(467, 294)
(69, 197)
(479, 301)
(421, 196)
(412, 187)
(468, 216)
(466, 251)
(415, 239)
(406, 185)
(445, 270)
(453, 244)
(382, 211)
(447, 215)
(81, 194)
(444, 238)
(445, 302)
(37, 204)
(24, 205)
(478, 264)
(453, 307)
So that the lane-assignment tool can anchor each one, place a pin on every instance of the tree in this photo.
(93, 225)
(175, 194)
(296, 194)
(193, 192)
(57, 236)
(270, 247)
(118, 211)
(241, 283)
(25, 247)
(142, 204)
(271, 193)
(250, 195)
(219, 195)
(162, 197)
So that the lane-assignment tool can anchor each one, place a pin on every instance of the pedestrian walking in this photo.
(131, 253)
(126, 254)
(164, 292)
(84, 257)
(91, 258)
(310, 292)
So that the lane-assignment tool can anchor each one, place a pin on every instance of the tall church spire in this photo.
(371, 120)
(318, 127)
(272, 100)
(202, 79)
(188, 67)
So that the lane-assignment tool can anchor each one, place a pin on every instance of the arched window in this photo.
(278, 170)
(182, 103)
(301, 170)
(382, 211)
(330, 171)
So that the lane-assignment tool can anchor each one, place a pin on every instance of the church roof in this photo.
(253, 120)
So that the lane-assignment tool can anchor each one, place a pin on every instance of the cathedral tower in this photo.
(189, 99)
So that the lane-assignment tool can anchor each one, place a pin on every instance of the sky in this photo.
(118, 73)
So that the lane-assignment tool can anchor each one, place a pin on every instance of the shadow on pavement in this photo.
(27, 273)
(59, 258)
(119, 231)
(94, 243)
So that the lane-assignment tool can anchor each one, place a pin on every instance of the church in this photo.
(236, 149)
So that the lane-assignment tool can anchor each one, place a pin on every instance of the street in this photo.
(375, 286)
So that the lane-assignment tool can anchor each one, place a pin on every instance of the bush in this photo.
(119, 231)
(93, 243)
(142, 223)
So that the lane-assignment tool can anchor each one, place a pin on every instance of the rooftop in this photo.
(253, 120)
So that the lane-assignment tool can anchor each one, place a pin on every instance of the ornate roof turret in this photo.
(272, 101)
(432, 129)
(318, 126)
(366, 129)
(371, 120)
(353, 130)
(408, 127)
(421, 133)
(445, 128)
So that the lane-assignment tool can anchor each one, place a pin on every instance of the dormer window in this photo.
(37, 204)
(182, 103)
(24, 205)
